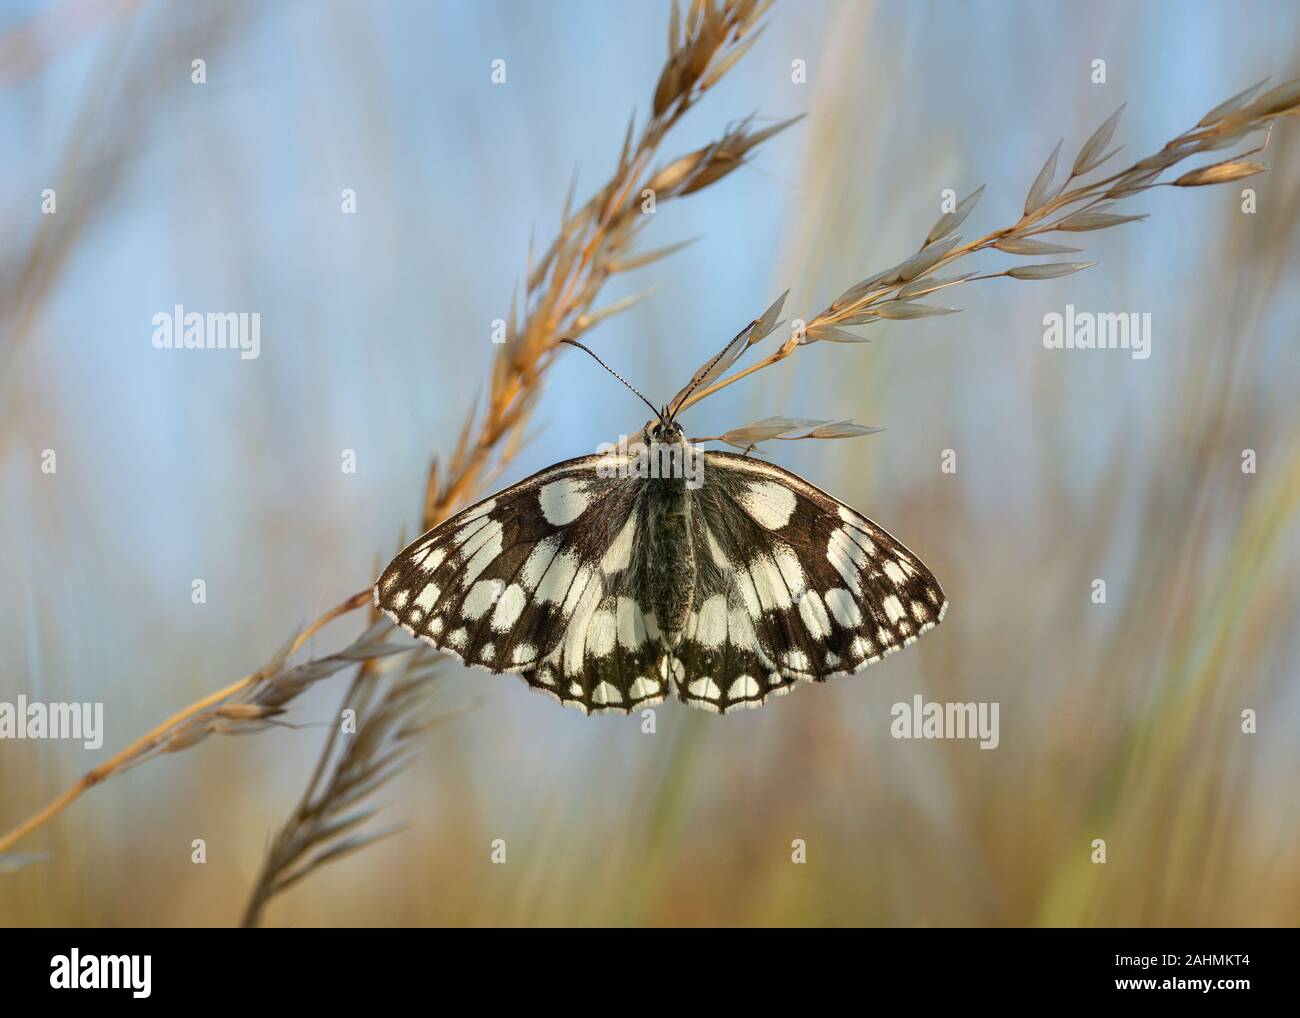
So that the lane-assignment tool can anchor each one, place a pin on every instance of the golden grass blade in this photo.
(647, 258)
(902, 310)
(925, 259)
(949, 221)
(831, 334)
(922, 287)
(1231, 105)
(1037, 195)
(1219, 173)
(1082, 222)
(1048, 270)
(1091, 155)
(1029, 246)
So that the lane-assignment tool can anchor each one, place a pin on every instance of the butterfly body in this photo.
(669, 555)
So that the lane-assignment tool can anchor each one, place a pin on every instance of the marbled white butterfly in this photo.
(607, 589)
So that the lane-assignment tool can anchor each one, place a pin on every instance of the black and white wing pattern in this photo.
(549, 579)
(540, 580)
(791, 585)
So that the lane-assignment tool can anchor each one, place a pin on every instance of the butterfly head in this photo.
(664, 431)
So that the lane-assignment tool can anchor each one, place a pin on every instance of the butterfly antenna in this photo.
(704, 372)
(574, 342)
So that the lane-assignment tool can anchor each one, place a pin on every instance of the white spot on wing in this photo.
(768, 584)
(862, 541)
(705, 688)
(480, 598)
(509, 608)
(601, 634)
(482, 509)
(486, 551)
(740, 630)
(563, 501)
(844, 608)
(813, 613)
(791, 570)
(796, 660)
(748, 594)
(467, 531)
(743, 688)
(840, 554)
(575, 637)
(715, 551)
(584, 579)
(770, 503)
(554, 585)
(606, 693)
(539, 559)
(642, 688)
(631, 628)
(619, 554)
(711, 629)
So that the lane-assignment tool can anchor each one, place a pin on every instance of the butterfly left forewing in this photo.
(538, 580)
(791, 585)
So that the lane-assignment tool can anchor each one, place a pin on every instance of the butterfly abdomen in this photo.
(670, 556)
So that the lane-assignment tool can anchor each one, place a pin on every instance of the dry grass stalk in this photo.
(391, 710)
(595, 243)
(561, 289)
(249, 704)
(893, 293)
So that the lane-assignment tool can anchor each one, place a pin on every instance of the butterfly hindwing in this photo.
(791, 585)
(540, 580)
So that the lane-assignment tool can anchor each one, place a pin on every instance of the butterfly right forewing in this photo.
(792, 585)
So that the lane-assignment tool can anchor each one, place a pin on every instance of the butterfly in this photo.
(613, 580)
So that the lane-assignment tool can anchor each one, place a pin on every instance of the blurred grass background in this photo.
(1120, 722)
